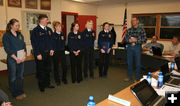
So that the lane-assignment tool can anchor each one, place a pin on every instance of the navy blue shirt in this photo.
(41, 40)
(58, 41)
(12, 43)
(75, 41)
(88, 38)
(105, 37)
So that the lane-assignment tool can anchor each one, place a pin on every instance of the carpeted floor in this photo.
(71, 94)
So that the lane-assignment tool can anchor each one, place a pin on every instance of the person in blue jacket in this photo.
(105, 43)
(88, 49)
(59, 53)
(13, 42)
(41, 40)
(75, 46)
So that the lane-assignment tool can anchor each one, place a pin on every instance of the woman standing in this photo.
(75, 44)
(59, 54)
(88, 39)
(105, 43)
(14, 44)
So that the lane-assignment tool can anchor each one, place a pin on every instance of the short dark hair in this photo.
(42, 16)
(136, 17)
(177, 36)
(105, 24)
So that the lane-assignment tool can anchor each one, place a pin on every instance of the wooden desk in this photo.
(125, 94)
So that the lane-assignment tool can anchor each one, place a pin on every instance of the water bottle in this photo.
(151, 51)
(172, 65)
(149, 78)
(91, 101)
(160, 80)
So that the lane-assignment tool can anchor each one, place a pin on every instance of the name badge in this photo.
(93, 34)
(87, 35)
(20, 37)
(79, 36)
(49, 32)
(40, 33)
(62, 37)
(109, 35)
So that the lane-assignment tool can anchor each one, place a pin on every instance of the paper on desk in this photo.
(20, 54)
(66, 52)
(175, 73)
(165, 88)
(118, 100)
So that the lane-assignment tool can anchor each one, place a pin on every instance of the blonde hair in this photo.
(88, 22)
(55, 24)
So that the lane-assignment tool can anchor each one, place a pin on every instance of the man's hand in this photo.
(18, 61)
(133, 39)
(102, 51)
(51, 52)
(39, 57)
(173, 54)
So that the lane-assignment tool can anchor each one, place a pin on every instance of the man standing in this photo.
(135, 37)
(42, 47)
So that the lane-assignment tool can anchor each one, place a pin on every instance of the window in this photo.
(163, 25)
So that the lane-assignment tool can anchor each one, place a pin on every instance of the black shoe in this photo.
(51, 87)
(73, 82)
(65, 82)
(85, 78)
(92, 77)
(58, 83)
(78, 81)
(42, 89)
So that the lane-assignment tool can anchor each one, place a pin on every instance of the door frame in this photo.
(63, 20)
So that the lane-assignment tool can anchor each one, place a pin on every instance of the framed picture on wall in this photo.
(32, 19)
(14, 3)
(46, 4)
(32, 4)
(1, 2)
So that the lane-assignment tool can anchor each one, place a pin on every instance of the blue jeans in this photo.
(15, 76)
(134, 52)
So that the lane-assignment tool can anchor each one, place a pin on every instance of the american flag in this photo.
(124, 25)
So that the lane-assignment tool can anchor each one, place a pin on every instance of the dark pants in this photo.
(104, 64)
(58, 57)
(43, 70)
(15, 76)
(76, 67)
(134, 52)
(88, 61)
